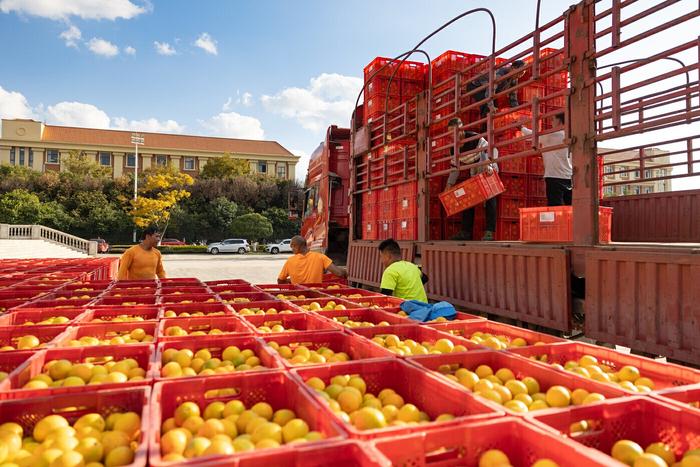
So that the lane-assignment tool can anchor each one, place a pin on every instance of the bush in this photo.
(168, 250)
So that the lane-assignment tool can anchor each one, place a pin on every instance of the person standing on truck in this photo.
(306, 267)
(491, 205)
(142, 261)
(400, 279)
(557, 164)
(500, 86)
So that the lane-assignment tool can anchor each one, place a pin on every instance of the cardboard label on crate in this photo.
(459, 193)
(547, 217)
(404, 224)
(369, 226)
(404, 203)
(385, 226)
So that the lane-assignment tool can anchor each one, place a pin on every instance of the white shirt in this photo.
(557, 163)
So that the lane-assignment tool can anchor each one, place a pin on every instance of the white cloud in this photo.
(129, 50)
(71, 36)
(247, 99)
(64, 9)
(207, 43)
(77, 114)
(14, 105)
(163, 48)
(233, 125)
(227, 105)
(99, 46)
(152, 125)
(329, 98)
(302, 165)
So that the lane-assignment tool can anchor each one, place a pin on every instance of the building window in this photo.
(648, 190)
(21, 156)
(189, 163)
(636, 190)
(12, 156)
(161, 160)
(31, 157)
(647, 173)
(130, 160)
(282, 171)
(105, 159)
(608, 169)
(52, 156)
(624, 174)
(262, 167)
(609, 190)
(636, 174)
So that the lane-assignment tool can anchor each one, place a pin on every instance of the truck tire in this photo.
(275, 251)
(214, 251)
(241, 251)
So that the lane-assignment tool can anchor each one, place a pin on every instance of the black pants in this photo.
(491, 206)
(558, 191)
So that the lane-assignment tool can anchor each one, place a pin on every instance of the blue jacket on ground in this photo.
(420, 311)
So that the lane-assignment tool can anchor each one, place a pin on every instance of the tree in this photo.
(159, 194)
(94, 215)
(282, 226)
(20, 207)
(225, 167)
(80, 165)
(253, 227)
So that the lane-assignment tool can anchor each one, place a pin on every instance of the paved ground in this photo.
(256, 269)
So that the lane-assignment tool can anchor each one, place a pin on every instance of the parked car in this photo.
(172, 242)
(285, 246)
(231, 245)
(102, 245)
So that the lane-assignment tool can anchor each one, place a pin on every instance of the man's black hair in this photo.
(560, 117)
(518, 64)
(390, 246)
(149, 231)
(470, 145)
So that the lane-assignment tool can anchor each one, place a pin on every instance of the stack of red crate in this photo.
(408, 81)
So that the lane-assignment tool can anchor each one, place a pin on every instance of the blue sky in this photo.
(96, 62)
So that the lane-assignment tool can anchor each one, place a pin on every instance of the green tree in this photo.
(80, 165)
(282, 226)
(95, 215)
(52, 214)
(20, 207)
(225, 167)
(253, 227)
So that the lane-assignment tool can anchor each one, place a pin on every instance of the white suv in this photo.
(231, 245)
(282, 247)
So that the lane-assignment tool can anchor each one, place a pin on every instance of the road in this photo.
(256, 269)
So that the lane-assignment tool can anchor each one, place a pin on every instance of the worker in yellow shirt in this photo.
(306, 267)
(142, 261)
(400, 279)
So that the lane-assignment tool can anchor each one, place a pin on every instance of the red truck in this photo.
(326, 215)
(638, 291)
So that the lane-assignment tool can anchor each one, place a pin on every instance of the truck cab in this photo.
(325, 223)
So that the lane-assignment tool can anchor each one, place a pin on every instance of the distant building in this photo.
(33, 144)
(636, 184)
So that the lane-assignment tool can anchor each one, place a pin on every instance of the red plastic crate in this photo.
(209, 309)
(27, 412)
(665, 375)
(356, 347)
(366, 315)
(536, 187)
(467, 329)
(142, 353)
(683, 396)
(167, 300)
(639, 419)
(301, 294)
(348, 304)
(235, 288)
(71, 296)
(127, 293)
(408, 70)
(471, 192)
(385, 229)
(521, 367)
(101, 330)
(180, 282)
(464, 444)
(513, 166)
(515, 185)
(92, 286)
(47, 335)
(274, 387)
(60, 304)
(11, 305)
(266, 305)
(378, 303)
(406, 196)
(110, 313)
(11, 362)
(292, 323)
(535, 165)
(554, 224)
(342, 453)
(509, 208)
(34, 315)
(451, 62)
(216, 345)
(227, 282)
(279, 288)
(415, 332)
(130, 300)
(406, 228)
(237, 298)
(226, 324)
(345, 292)
(413, 384)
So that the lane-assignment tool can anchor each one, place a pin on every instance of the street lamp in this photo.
(136, 139)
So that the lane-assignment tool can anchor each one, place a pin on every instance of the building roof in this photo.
(92, 136)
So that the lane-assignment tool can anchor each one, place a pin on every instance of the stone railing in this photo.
(39, 232)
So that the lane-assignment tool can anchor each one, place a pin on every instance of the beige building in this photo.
(619, 167)
(42, 147)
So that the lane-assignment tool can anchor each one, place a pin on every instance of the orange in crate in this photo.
(471, 192)
(554, 224)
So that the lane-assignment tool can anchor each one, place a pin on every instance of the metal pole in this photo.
(136, 179)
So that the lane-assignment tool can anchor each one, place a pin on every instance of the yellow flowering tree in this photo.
(159, 193)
